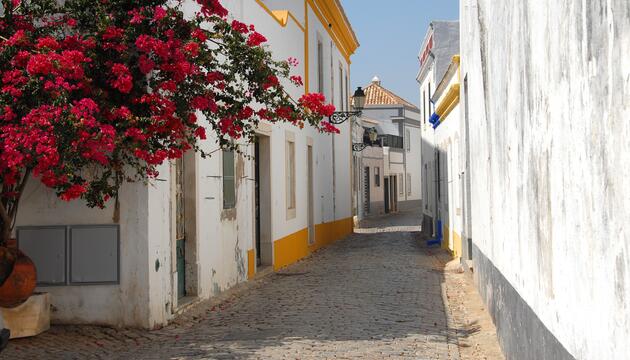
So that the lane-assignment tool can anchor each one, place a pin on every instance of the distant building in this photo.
(370, 174)
(397, 123)
(438, 78)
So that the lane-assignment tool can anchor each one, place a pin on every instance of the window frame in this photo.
(341, 89)
(290, 171)
(320, 64)
(228, 179)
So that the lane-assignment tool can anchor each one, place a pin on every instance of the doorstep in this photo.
(186, 303)
(262, 271)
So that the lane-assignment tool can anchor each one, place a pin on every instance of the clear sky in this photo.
(390, 33)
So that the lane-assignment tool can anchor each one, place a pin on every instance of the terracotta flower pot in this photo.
(7, 261)
(21, 282)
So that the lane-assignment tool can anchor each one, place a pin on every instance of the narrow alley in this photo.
(377, 294)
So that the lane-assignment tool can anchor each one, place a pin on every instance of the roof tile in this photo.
(375, 94)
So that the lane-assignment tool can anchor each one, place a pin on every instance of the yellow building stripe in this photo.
(450, 108)
(457, 245)
(290, 249)
(340, 31)
(446, 237)
(280, 16)
(295, 247)
(251, 263)
(327, 233)
(451, 95)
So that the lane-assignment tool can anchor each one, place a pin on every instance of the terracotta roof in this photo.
(375, 94)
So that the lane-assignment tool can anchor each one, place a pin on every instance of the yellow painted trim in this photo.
(451, 99)
(329, 12)
(457, 244)
(251, 263)
(451, 95)
(294, 247)
(445, 240)
(280, 16)
(449, 108)
(328, 233)
(456, 59)
(296, 21)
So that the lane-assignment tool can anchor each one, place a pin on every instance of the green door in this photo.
(181, 268)
(180, 226)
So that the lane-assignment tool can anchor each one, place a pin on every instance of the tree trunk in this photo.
(5, 226)
(9, 208)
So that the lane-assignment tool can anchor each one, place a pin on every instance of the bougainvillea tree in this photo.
(96, 93)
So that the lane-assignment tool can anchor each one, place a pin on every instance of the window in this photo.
(341, 92)
(377, 176)
(290, 170)
(424, 106)
(408, 140)
(229, 185)
(426, 188)
(332, 73)
(347, 98)
(320, 66)
(401, 187)
(408, 184)
(437, 175)
(429, 113)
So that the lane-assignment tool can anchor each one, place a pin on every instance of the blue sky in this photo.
(390, 33)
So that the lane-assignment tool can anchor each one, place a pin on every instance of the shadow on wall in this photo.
(446, 200)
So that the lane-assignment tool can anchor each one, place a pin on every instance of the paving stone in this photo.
(375, 295)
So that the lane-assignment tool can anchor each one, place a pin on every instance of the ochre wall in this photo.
(294, 247)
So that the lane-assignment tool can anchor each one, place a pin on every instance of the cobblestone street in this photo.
(377, 294)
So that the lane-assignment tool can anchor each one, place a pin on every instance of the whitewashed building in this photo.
(546, 90)
(369, 172)
(440, 44)
(397, 123)
(207, 224)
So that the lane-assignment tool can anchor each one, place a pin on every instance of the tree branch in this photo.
(20, 190)
(6, 221)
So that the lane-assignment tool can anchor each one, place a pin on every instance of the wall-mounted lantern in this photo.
(372, 136)
(358, 102)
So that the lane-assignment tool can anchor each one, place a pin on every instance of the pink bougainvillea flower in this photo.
(255, 39)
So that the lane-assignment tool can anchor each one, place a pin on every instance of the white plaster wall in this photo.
(336, 204)
(414, 161)
(427, 152)
(549, 88)
(446, 138)
(124, 304)
(157, 261)
(373, 158)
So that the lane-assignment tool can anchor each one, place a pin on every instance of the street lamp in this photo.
(358, 101)
(372, 135)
